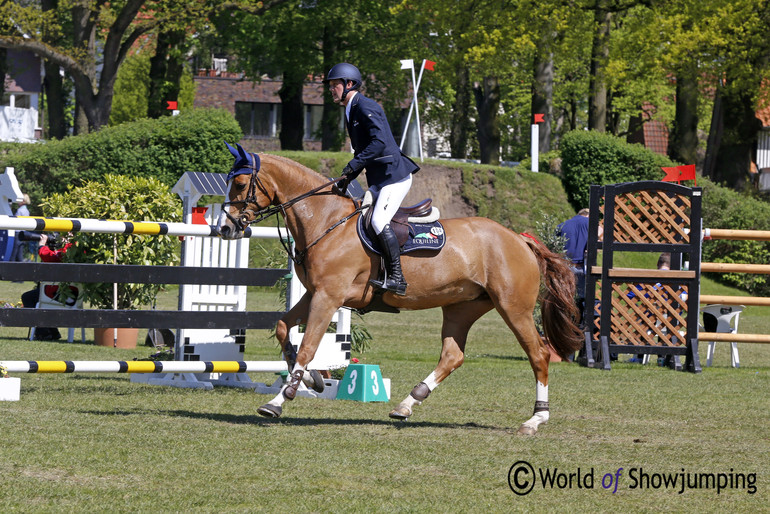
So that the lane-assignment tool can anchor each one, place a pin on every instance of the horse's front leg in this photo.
(293, 317)
(320, 310)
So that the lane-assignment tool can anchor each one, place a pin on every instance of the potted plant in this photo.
(119, 197)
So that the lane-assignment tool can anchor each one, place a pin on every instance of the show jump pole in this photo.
(409, 64)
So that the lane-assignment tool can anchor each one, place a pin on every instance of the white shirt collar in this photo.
(351, 94)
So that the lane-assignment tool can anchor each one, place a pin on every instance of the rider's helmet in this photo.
(345, 72)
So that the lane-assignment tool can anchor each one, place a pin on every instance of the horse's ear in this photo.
(244, 155)
(232, 150)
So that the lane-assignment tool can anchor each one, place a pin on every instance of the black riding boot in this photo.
(394, 279)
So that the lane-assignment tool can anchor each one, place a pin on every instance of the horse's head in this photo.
(246, 194)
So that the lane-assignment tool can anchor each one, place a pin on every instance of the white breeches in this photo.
(388, 201)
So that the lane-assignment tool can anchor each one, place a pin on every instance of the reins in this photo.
(297, 256)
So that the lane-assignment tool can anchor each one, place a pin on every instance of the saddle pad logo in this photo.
(428, 236)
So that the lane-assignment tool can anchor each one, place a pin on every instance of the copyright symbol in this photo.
(521, 477)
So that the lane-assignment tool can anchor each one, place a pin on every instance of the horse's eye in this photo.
(240, 187)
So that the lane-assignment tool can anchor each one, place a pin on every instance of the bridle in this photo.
(242, 222)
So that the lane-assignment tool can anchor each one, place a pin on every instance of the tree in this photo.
(740, 60)
(94, 99)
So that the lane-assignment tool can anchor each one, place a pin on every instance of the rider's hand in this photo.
(341, 187)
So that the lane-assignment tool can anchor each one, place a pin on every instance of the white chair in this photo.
(724, 316)
(49, 299)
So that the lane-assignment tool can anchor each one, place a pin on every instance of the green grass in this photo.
(96, 442)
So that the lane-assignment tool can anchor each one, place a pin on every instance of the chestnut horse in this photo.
(483, 266)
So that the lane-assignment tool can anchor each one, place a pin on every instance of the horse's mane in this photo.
(310, 174)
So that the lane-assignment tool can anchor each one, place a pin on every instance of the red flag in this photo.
(672, 174)
(539, 118)
(429, 65)
(679, 173)
(172, 105)
(687, 172)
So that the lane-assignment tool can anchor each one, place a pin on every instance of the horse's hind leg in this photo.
(458, 319)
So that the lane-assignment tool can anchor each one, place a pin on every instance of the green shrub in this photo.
(544, 161)
(727, 209)
(590, 157)
(119, 197)
(164, 149)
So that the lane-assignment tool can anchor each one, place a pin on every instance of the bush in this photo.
(544, 162)
(727, 209)
(163, 149)
(119, 198)
(591, 157)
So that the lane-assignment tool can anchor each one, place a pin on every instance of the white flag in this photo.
(407, 64)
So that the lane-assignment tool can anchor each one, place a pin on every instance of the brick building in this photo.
(257, 107)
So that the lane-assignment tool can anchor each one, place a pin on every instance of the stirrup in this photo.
(399, 288)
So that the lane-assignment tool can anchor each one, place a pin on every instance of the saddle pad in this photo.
(422, 236)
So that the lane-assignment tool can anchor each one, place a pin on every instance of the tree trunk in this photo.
(3, 69)
(55, 101)
(715, 134)
(683, 142)
(739, 135)
(165, 73)
(542, 97)
(292, 111)
(458, 134)
(332, 138)
(600, 51)
(488, 104)
(52, 85)
(157, 78)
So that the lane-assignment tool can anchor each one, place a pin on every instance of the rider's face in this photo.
(336, 86)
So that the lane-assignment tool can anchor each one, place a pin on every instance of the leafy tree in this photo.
(132, 99)
(303, 39)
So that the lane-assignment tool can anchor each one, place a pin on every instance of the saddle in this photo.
(416, 227)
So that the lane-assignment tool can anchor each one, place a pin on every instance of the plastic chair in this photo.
(49, 299)
(718, 318)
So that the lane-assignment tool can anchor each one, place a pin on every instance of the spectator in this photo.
(575, 230)
(49, 251)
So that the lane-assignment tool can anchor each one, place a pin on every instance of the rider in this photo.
(388, 171)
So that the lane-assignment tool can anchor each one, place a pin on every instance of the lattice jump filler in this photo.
(652, 311)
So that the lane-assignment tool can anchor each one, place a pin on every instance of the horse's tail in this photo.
(557, 301)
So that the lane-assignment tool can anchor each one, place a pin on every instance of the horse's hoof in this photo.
(525, 430)
(400, 413)
(270, 411)
(316, 382)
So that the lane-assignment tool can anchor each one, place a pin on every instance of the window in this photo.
(313, 114)
(21, 100)
(258, 119)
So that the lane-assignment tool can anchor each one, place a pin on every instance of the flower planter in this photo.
(127, 337)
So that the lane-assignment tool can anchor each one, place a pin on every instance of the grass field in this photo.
(98, 443)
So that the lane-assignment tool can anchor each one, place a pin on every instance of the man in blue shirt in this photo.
(575, 230)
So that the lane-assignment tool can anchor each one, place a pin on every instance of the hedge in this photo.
(728, 209)
(162, 148)
(590, 157)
